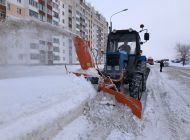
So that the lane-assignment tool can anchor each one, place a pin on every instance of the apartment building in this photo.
(75, 16)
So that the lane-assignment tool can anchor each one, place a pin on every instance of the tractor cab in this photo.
(122, 45)
(124, 41)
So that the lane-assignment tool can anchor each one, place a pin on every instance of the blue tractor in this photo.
(124, 63)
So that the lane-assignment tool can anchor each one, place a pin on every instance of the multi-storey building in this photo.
(75, 16)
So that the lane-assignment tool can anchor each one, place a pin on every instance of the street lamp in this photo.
(110, 28)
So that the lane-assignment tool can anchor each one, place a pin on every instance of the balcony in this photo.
(49, 7)
(41, 12)
(41, 2)
(2, 7)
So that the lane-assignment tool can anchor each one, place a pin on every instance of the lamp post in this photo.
(110, 28)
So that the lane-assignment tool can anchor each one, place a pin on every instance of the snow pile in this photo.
(91, 72)
(39, 103)
(76, 130)
(102, 119)
(104, 111)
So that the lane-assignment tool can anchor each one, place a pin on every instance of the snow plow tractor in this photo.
(125, 73)
(124, 63)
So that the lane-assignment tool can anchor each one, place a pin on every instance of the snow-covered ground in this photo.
(44, 102)
(179, 65)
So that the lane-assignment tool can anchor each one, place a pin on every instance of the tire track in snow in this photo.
(179, 76)
(175, 107)
(180, 70)
(178, 107)
(158, 93)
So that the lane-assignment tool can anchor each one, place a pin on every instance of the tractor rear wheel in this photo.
(140, 89)
(136, 87)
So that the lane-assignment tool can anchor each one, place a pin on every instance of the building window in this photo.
(55, 14)
(19, 11)
(55, 23)
(41, 7)
(70, 11)
(2, 2)
(33, 3)
(42, 42)
(63, 13)
(34, 46)
(33, 13)
(63, 6)
(63, 21)
(2, 15)
(56, 40)
(56, 57)
(56, 49)
(34, 56)
(56, 6)
(19, 1)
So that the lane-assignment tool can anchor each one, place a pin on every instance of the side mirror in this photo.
(146, 36)
(142, 26)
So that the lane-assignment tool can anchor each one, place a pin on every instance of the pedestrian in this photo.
(161, 65)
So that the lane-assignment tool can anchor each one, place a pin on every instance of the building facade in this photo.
(75, 16)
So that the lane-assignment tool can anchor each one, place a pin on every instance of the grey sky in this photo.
(168, 22)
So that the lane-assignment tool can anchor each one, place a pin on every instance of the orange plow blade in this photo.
(83, 53)
(134, 104)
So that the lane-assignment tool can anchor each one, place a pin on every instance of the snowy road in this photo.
(165, 115)
(169, 94)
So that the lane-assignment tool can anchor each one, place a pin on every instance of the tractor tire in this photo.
(144, 84)
(136, 87)
(140, 90)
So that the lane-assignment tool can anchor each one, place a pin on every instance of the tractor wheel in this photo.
(136, 87)
(144, 85)
(140, 89)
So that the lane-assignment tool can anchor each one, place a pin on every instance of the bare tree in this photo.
(183, 52)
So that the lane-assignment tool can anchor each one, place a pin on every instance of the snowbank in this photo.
(40, 102)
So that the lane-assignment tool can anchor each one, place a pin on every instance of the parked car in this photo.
(176, 61)
(157, 61)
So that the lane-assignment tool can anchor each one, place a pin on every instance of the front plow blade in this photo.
(134, 104)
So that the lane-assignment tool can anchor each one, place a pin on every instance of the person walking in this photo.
(161, 65)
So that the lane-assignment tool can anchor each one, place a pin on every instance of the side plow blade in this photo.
(134, 104)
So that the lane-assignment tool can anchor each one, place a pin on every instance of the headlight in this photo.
(108, 67)
(116, 67)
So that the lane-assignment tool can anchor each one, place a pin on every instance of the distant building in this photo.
(75, 16)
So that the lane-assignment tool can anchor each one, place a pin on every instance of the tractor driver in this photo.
(125, 47)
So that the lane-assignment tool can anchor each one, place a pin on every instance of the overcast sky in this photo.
(168, 22)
